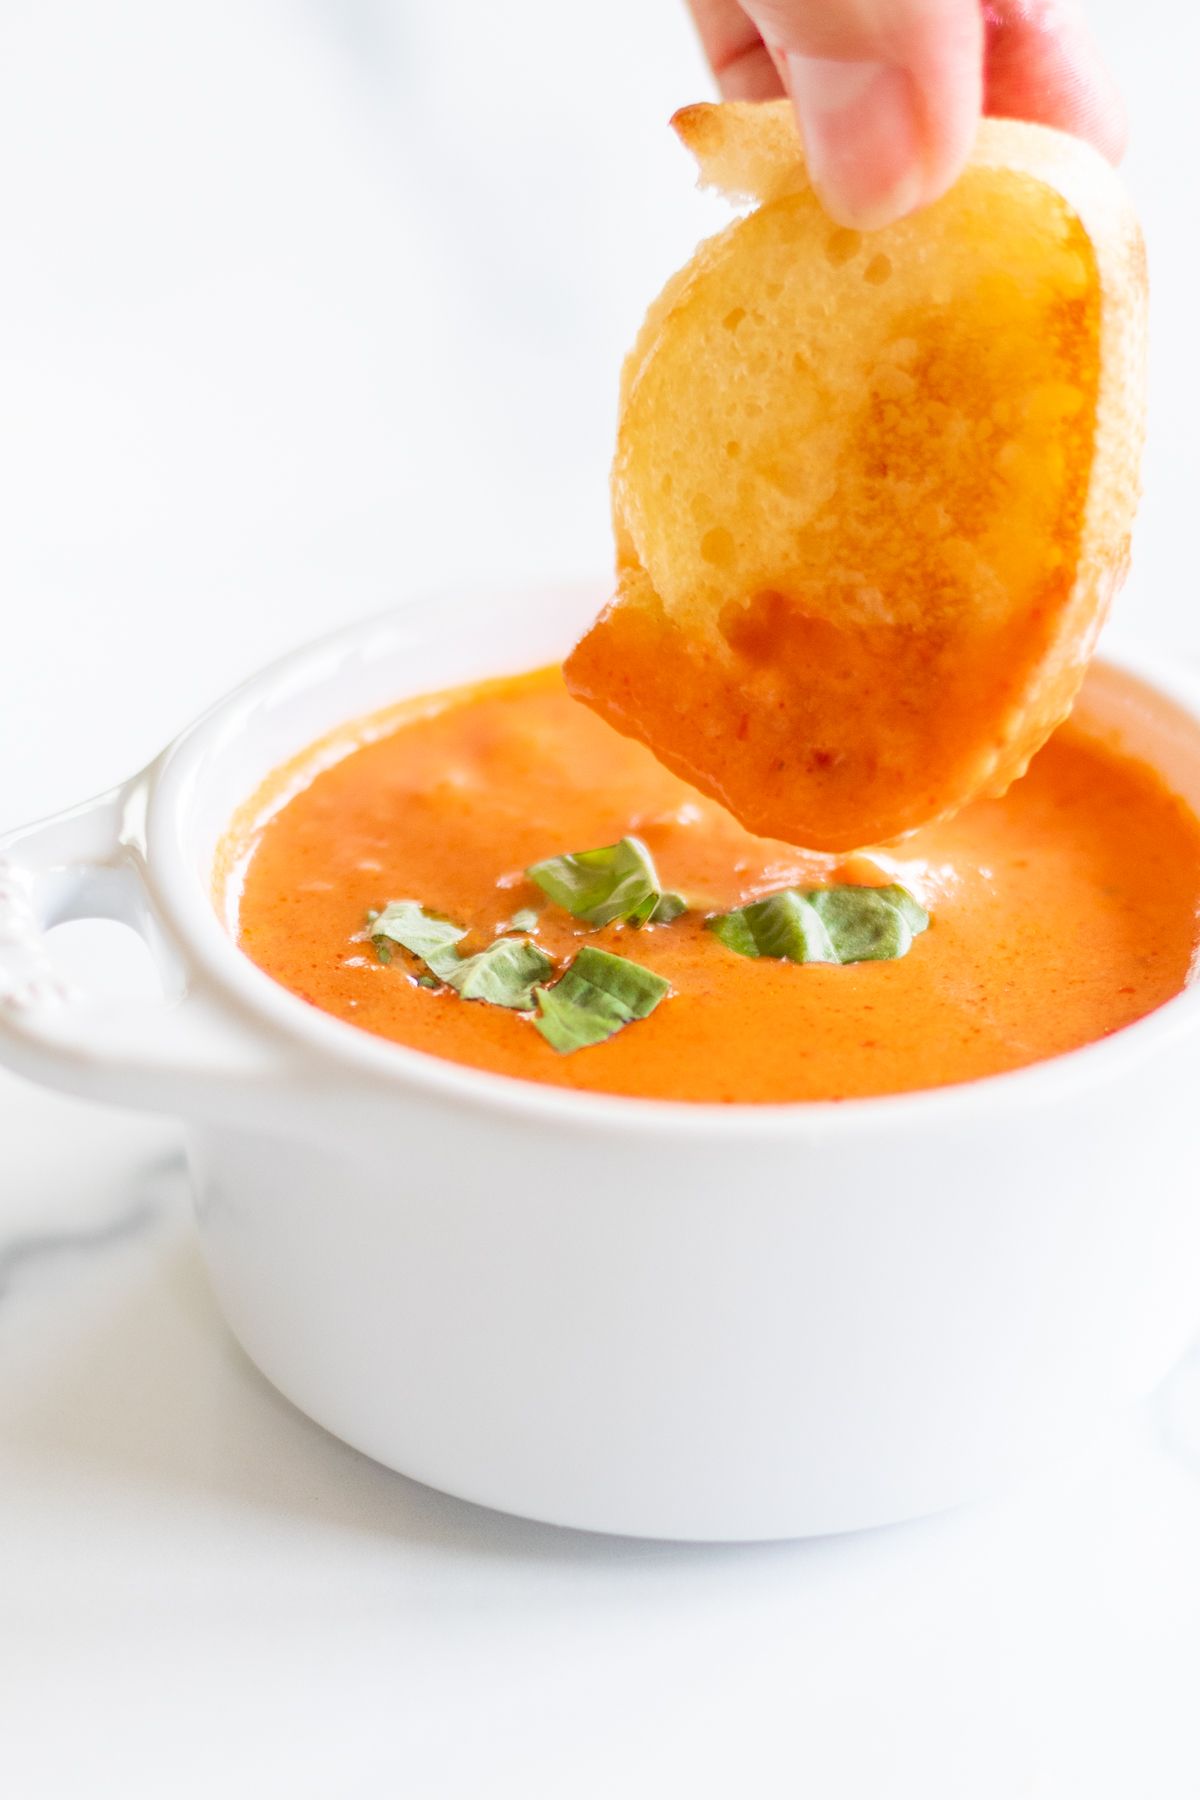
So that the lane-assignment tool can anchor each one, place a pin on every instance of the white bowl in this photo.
(674, 1320)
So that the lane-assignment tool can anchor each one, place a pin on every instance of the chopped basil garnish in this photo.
(503, 974)
(783, 925)
(913, 911)
(870, 924)
(669, 907)
(601, 887)
(600, 993)
(829, 925)
(405, 922)
(597, 996)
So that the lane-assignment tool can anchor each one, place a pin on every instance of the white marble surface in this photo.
(254, 383)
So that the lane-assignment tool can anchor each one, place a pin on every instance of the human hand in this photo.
(888, 93)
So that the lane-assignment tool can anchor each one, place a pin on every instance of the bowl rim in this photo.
(217, 958)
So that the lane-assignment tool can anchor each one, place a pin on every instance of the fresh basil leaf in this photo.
(405, 922)
(869, 924)
(908, 906)
(669, 907)
(524, 920)
(828, 925)
(504, 974)
(783, 925)
(595, 998)
(616, 883)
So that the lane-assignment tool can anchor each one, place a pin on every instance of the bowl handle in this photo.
(193, 1050)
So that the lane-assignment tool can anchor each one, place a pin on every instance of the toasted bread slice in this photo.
(873, 494)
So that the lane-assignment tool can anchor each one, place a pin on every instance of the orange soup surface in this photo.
(1059, 913)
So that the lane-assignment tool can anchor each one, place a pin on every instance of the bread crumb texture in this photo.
(872, 494)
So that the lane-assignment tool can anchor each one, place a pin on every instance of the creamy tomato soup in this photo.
(1057, 914)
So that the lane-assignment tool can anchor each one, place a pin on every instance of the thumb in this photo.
(887, 93)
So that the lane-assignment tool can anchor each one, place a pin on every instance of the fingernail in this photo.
(861, 127)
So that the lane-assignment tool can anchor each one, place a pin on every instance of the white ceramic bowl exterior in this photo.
(679, 1321)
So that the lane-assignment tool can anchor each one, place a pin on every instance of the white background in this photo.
(307, 301)
(301, 305)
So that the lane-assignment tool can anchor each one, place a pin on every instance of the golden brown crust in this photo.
(873, 496)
